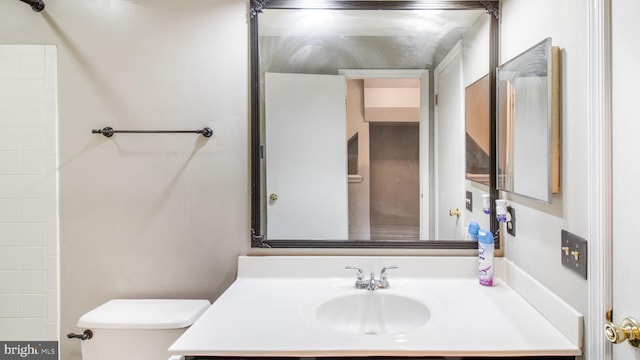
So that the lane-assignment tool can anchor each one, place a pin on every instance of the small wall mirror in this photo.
(347, 148)
(528, 123)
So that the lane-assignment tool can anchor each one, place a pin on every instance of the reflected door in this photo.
(449, 146)
(306, 157)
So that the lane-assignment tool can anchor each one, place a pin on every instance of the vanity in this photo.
(433, 308)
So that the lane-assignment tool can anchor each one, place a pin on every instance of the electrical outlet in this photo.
(574, 253)
(511, 221)
(469, 201)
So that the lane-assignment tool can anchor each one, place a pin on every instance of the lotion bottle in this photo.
(485, 257)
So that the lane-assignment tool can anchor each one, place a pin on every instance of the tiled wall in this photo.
(28, 193)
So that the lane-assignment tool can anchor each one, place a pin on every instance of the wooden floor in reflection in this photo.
(391, 232)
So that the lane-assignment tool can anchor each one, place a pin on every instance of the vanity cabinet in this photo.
(288, 307)
(383, 358)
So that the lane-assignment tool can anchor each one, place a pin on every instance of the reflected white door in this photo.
(306, 157)
(626, 167)
(449, 146)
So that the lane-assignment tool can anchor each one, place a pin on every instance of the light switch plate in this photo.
(574, 253)
(469, 201)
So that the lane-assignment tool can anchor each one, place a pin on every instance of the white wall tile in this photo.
(33, 162)
(35, 328)
(52, 331)
(33, 138)
(35, 306)
(10, 235)
(50, 72)
(52, 238)
(51, 136)
(34, 234)
(51, 107)
(10, 186)
(52, 303)
(10, 210)
(10, 91)
(33, 115)
(28, 167)
(33, 210)
(50, 50)
(10, 162)
(10, 138)
(51, 169)
(11, 281)
(33, 91)
(11, 329)
(9, 67)
(50, 210)
(10, 305)
(26, 50)
(33, 186)
(34, 258)
(52, 272)
(10, 258)
(32, 67)
(34, 282)
(52, 182)
(10, 114)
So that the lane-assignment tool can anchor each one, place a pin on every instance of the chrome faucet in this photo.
(361, 283)
(383, 283)
(372, 283)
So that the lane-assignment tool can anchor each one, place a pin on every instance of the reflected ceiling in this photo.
(362, 38)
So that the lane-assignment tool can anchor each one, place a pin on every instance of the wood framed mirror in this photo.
(300, 50)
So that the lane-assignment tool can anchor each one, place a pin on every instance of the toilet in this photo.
(141, 329)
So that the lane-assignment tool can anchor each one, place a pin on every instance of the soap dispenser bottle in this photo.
(485, 257)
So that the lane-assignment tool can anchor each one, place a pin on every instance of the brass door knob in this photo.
(455, 212)
(629, 330)
(273, 197)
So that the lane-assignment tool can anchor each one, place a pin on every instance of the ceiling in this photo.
(318, 41)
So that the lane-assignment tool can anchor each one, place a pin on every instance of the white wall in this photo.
(28, 194)
(475, 65)
(145, 215)
(536, 248)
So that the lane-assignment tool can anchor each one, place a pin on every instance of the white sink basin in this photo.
(373, 313)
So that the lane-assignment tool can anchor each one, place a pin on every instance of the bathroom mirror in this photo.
(528, 123)
(320, 180)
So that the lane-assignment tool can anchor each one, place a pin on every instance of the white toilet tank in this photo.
(141, 329)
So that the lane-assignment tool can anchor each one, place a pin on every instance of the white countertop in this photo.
(270, 311)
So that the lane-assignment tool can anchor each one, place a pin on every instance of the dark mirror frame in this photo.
(258, 239)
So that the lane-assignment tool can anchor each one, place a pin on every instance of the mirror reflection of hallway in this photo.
(384, 184)
(395, 181)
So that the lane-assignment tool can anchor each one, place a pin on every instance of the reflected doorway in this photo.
(383, 136)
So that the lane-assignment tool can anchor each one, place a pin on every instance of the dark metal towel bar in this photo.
(108, 131)
(36, 5)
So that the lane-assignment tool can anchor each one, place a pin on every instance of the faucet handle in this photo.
(359, 270)
(361, 283)
(383, 283)
(383, 272)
